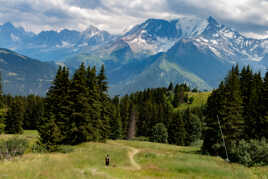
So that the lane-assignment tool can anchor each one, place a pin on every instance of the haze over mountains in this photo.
(189, 50)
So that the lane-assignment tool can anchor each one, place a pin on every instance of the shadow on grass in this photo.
(199, 152)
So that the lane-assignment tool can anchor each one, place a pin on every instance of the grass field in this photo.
(200, 98)
(129, 159)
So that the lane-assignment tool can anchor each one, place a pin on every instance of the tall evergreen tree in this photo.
(105, 104)
(49, 132)
(176, 130)
(115, 122)
(192, 127)
(264, 120)
(1, 91)
(81, 121)
(233, 123)
(14, 118)
(215, 110)
(58, 103)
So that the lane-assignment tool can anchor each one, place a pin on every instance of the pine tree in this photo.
(176, 130)
(178, 96)
(1, 91)
(94, 104)
(192, 127)
(252, 110)
(125, 114)
(264, 120)
(81, 120)
(49, 132)
(14, 118)
(115, 122)
(170, 87)
(58, 103)
(105, 104)
(233, 123)
(33, 113)
(215, 110)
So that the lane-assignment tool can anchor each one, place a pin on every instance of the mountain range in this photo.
(189, 50)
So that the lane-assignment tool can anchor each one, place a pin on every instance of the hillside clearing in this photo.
(129, 159)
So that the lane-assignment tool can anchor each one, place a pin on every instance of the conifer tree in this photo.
(215, 110)
(252, 109)
(105, 104)
(14, 118)
(264, 119)
(115, 122)
(49, 132)
(176, 130)
(94, 104)
(1, 91)
(192, 127)
(125, 114)
(81, 121)
(233, 123)
(170, 87)
(58, 103)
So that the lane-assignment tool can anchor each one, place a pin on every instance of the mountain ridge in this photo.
(199, 51)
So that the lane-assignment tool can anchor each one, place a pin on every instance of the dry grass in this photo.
(156, 161)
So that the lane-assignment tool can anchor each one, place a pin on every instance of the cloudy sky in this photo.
(116, 16)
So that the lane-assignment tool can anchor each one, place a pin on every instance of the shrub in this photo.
(250, 153)
(12, 147)
(39, 148)
(159, 133)
(2, 128)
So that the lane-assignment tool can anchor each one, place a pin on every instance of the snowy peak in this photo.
(190, 27)
(91, 31)
(212, 21)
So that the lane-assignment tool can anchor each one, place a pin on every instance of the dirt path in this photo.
(131, 154)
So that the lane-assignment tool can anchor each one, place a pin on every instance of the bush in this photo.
(39, 148)
(251, 153)
(159, 133)
(2, 128)
(12, 147)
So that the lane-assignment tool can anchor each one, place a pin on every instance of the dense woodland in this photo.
(240, 106)
(78, 109)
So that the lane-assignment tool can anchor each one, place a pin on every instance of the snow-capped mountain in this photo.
(154, 36)
(12, 37)
(51, 45)
(191, 50)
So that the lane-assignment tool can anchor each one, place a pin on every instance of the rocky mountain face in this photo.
(189, 50)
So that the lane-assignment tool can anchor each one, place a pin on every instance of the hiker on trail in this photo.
(107, 160)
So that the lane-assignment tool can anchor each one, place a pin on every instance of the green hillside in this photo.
(200, 98)
(129, 159)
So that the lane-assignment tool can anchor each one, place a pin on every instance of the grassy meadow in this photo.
(200, 98)
(150, 160)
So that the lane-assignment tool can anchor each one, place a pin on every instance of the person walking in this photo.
(107, 160)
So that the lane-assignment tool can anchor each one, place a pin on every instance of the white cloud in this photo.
(248, 16)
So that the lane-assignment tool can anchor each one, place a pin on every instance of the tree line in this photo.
(240, 106)
(79, 109)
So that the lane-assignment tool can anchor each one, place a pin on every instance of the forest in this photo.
(78, 109)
